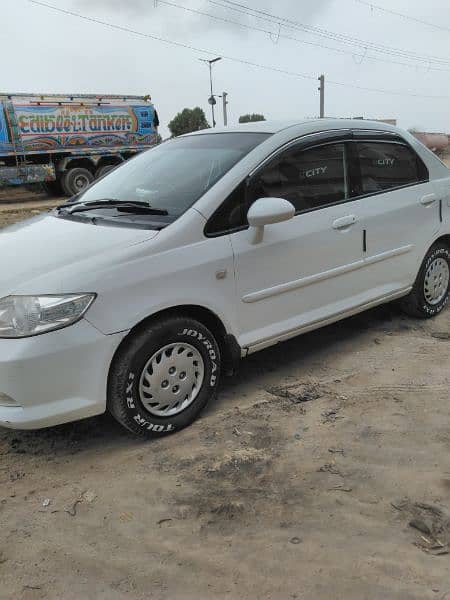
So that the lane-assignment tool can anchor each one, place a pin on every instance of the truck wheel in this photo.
(103, 170)
(76, 180)
(431, 288)
(164, 376)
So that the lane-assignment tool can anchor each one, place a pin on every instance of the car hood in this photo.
(46, 243)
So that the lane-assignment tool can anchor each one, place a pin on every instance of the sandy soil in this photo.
(19, 203)
(299, 482)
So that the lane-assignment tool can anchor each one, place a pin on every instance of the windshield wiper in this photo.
(134, 206)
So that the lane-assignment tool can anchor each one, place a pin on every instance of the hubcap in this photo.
(81, 182)
(171, 380)
(436, 281)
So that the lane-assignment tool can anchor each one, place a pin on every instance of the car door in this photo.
(399, 210)
(304, 270)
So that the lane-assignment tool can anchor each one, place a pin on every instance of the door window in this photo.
(386, 165)
(309, 179)
(231, 215)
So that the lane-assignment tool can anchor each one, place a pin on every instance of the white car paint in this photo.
(281, 285)
(41, 247)
(298, 275)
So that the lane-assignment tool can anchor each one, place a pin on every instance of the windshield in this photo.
(175, 174)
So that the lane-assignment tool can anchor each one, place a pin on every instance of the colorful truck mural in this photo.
(46, 138)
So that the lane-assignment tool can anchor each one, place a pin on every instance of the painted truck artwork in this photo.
(59, 127)
(5, 144)
(59, 133)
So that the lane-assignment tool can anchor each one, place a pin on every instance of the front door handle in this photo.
(428, 199)
(344, 222)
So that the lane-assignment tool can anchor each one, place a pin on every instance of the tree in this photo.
(189, 119)
(251, 118)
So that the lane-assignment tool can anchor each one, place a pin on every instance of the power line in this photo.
(288, 37)
(338, 37)
(230, 58)
(402, 15)
(233, 5)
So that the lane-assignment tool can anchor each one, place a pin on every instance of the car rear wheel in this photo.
(76, 180)
(164, 376)
(431, 289)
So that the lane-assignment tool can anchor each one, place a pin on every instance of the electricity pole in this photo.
(224, 103)
(211, 99)
(322, 95)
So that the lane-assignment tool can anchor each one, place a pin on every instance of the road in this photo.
(299, 482)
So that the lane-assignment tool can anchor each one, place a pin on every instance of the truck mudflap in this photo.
(26, 174)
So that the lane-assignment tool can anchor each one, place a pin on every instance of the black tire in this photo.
(76, 180)
(416, 303)
(103, 170)
(53, 188)
(129, 364)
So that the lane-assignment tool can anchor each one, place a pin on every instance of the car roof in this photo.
(309, 125)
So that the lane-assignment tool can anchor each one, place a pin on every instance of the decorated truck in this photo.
(65, 142)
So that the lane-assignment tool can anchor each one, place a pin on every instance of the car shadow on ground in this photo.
(103, 431)
(386, 319)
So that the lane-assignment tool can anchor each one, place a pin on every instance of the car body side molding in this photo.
(305, 281)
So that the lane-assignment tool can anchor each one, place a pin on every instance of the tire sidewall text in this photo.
(204, 342)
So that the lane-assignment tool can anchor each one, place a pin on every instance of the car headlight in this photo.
(24, 316)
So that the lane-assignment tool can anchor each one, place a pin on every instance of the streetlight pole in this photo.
(224, 104)
(322, 96)
(211, 99)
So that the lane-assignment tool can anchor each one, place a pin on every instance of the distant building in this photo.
(387, 121)
(437, 142)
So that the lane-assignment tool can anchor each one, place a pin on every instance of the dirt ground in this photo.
(20, 203)
(321, 472)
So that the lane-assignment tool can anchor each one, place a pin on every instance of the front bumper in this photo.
(56, 377)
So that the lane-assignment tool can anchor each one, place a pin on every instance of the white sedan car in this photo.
(138, 293)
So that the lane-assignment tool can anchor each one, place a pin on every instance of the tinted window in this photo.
(384, 166)
(175, 174)
(231, 215)
(307, 178)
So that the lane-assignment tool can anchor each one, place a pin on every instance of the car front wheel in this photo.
(431, 289)
(163, 376)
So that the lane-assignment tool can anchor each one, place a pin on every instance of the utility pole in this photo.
(224, 103)
(322, 95)
(211, 99)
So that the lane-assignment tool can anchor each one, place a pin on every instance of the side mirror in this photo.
(267, 211)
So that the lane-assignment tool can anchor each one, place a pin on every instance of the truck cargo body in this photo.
(67, 141)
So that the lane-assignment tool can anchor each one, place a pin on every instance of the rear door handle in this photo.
(344, 222)
(428, 199)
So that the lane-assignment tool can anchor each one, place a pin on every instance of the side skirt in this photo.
(323, 322)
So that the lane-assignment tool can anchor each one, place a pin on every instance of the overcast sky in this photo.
(46, 51)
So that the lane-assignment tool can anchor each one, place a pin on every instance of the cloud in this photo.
(136, 7)
(234, 19)
(305, 12)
